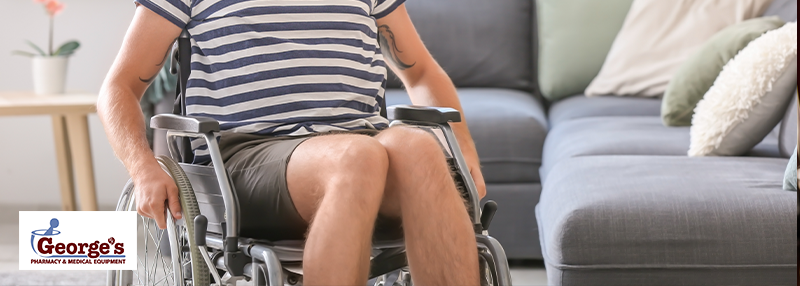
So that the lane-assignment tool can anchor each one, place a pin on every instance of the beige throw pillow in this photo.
(658, 36)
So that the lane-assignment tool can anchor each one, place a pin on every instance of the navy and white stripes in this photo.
(283, 67)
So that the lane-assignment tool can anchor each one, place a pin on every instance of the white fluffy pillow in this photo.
(749, 97)
(658, 36)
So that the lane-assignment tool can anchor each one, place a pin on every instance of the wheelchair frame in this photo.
(243, 257)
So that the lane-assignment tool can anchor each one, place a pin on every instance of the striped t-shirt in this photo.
(283, 67)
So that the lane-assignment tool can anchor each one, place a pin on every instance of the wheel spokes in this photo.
(149, 266)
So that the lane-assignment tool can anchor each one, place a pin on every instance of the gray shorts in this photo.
(257, 168)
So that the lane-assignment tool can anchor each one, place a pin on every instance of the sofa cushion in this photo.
(643, 135)
(479, 43)
(581, 106)
(788, 129)
(508, 126)
(767, 148)
(612, 136)
(790, 177)
(512, 224)
(629, 214)
(786, 9)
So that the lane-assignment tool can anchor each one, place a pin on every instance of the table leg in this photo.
(64, 164)
(81, 154)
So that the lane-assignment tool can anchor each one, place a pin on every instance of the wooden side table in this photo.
(71, 135)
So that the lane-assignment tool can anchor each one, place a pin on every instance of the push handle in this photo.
(173, 66)
(489, 208)
(200, 226)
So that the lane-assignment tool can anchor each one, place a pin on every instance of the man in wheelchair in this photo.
(297, 87)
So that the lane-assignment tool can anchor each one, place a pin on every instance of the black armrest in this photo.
(438, 115)
(184, 123)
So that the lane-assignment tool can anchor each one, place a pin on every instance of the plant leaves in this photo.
(67, 48)
(35, 47)
(21, 53)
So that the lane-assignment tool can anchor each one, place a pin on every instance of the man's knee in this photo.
(328, 161)
(414, 155)
(417, 168)
(412, 145)
(355, 166)
(341, 169)
(360, 155)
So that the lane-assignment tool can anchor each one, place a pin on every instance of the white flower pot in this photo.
(49, 74)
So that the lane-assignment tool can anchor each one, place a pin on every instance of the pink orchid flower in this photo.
(54, 7)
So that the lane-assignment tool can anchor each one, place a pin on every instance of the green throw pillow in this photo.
(574, 39)
(696, 76)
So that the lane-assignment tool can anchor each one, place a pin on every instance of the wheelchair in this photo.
(204, 247)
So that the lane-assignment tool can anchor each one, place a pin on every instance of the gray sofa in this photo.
(597, 187)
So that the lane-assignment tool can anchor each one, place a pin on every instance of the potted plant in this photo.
(50, 67)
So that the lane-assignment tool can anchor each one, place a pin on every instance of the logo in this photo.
(79, 240)
(46, 248)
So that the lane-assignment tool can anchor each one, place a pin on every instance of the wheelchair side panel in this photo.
(209, 197)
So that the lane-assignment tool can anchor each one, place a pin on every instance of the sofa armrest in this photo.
(437, 115)
(184, 123)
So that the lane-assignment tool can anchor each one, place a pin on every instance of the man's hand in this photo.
(155, 189)
(467, 147)
(474, 166)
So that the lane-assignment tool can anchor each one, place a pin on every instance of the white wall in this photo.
(27, 165)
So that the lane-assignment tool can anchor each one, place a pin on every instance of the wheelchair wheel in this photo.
(181, 260)
(486, 268)
(493, 264)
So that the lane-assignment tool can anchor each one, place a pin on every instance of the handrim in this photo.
(156, 268)
(190, 210)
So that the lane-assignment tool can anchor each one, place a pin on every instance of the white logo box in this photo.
(77, 240)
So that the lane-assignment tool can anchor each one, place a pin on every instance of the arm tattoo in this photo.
(390, 50)
(163, 60)
(148, 80)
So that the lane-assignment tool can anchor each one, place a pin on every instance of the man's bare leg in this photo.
(337, 182)
(439, 237)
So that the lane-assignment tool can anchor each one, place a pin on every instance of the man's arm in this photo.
(148, 39)
(426, 82)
